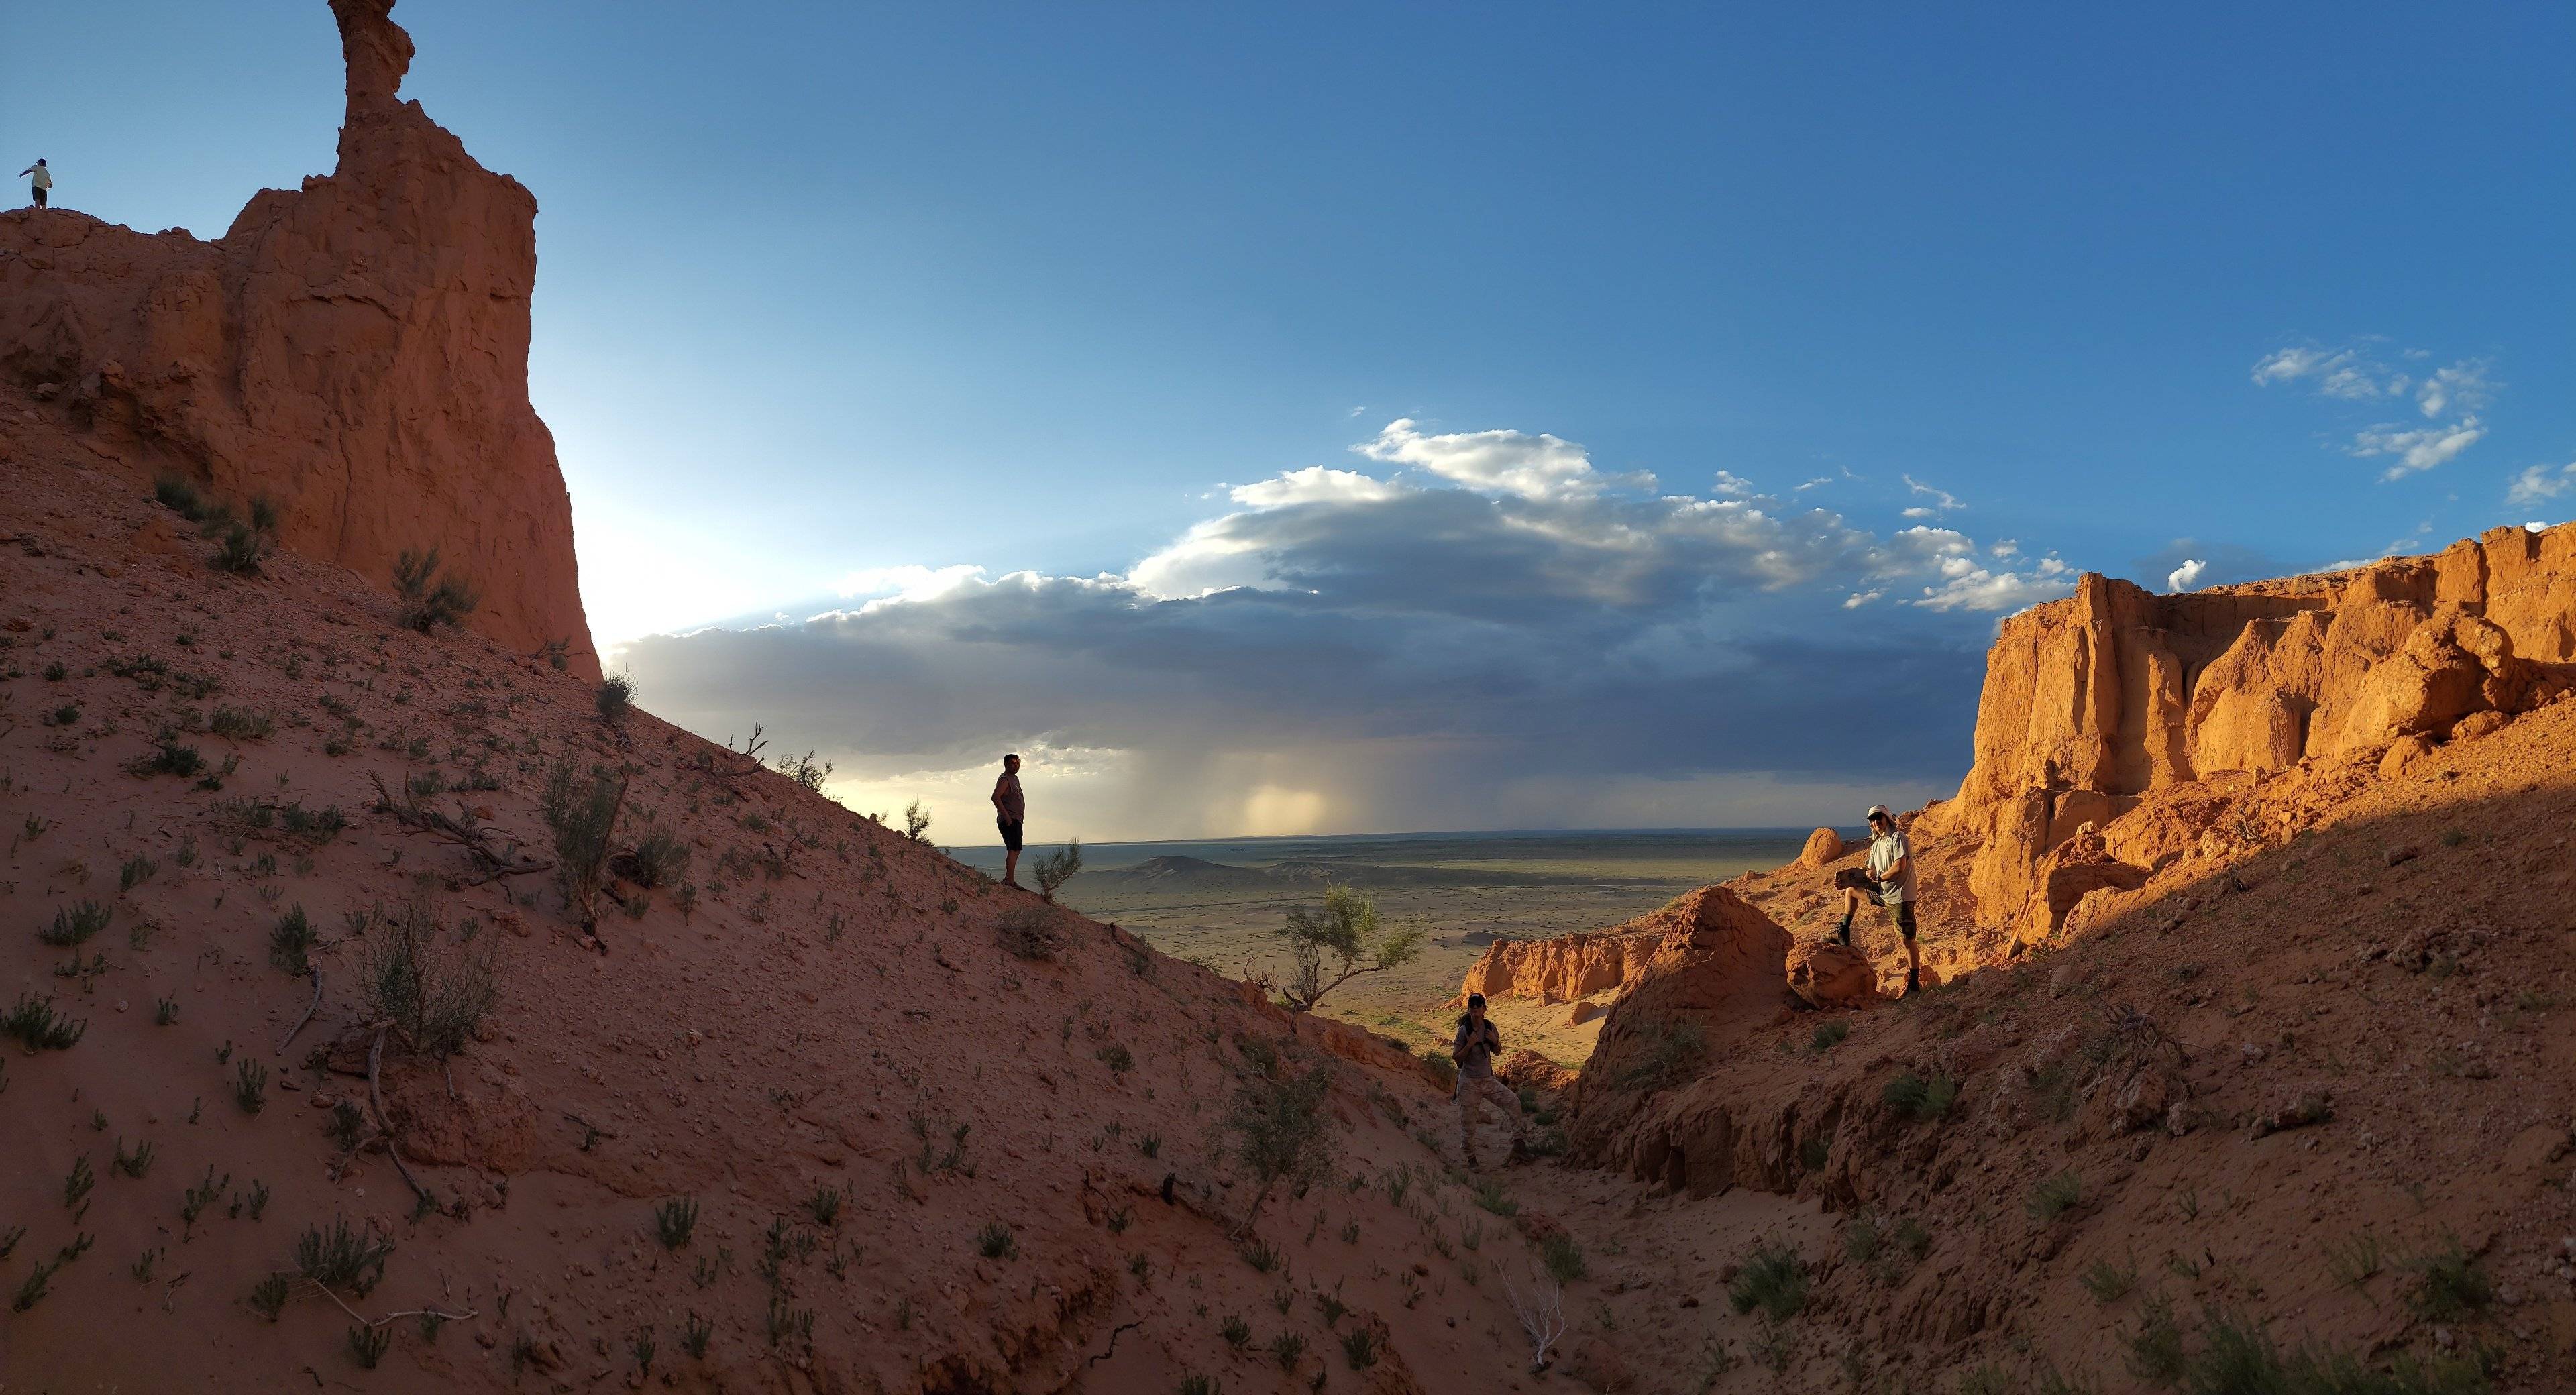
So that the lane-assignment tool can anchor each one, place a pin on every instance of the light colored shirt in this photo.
(1474, 1047)
(1885, 852)
(40, 177)
(1008, 800)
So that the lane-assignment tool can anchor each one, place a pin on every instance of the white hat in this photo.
(1879, 811)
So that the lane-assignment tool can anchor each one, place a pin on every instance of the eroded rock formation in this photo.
(1716, 973)
(355, 352)
(1564, 968)
(2095, 700)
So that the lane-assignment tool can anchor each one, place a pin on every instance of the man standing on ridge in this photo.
(1891, 869)
(41, 181)
(1011, 812)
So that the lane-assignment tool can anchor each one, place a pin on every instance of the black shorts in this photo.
(1010, 832)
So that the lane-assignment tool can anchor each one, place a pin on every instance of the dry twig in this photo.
(462, 830)
(309, 1009)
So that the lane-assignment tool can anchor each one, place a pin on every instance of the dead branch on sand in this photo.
(1541, 1311)
(309, 1009)
(732, 764)
(460, 829)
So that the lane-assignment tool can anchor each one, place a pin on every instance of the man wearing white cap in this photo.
(1891, 869)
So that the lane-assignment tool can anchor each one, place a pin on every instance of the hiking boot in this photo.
(1844, 935)
(1913, 980)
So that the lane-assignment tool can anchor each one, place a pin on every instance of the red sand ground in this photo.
(837, 993)
(2397, 946)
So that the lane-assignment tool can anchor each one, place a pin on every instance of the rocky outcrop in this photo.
(1716, 974)
(2095, 700)
(355, 352)
(2070, 872)
(1564, 968)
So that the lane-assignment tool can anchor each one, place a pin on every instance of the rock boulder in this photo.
(1824, 846)
(1830, 974)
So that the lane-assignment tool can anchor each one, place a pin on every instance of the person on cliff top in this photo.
(1891, 870)
(41, 181)
(1011, 812)
(1477, 1043)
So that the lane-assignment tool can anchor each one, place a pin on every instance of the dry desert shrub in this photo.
(582, 814)
(1282, 1133)
(434, 986)
(615, 697)
(1031, 932)
(428, 599)
(661, 858)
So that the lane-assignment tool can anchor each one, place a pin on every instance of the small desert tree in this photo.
(429, 599)
(582, 814)
(1281, 1132)
(1332, 946)
(916, 820)
(1057, 868)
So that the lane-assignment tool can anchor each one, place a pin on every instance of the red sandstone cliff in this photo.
(2095, 700)
(2180, 729)
(355, 351)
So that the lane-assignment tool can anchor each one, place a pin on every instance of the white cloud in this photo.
(1733, 485)
(1857, 599)
(1942, 500)
(1964, 585)
(1314, 484)
(1818, 480)
(2186, 576)
(2004, 548)
(2285, 365)
(2348, 374)
(911, 583)
(2540, 483)
(2463, 385)
(2356, 374)
(2421, 449)
(1504, 462)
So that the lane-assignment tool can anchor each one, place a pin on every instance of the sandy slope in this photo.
(2336, 1029)
(829, 1015)
(2389, 948)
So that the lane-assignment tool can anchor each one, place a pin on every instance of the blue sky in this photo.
(829, 292)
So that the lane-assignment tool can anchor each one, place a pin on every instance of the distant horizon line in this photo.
(1741, 830)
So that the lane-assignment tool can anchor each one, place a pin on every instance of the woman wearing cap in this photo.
(1891, 869)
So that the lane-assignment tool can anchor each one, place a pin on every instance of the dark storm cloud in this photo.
(1539, 622)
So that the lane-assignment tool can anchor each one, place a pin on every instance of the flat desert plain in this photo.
(1221, 903)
